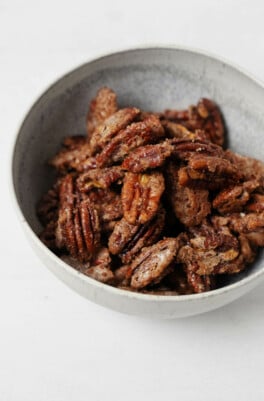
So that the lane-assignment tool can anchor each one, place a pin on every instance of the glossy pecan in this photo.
(141, 195)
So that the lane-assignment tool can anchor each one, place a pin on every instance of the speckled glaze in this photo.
(153, 79)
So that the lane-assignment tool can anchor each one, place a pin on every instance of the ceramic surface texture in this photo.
(152, 79)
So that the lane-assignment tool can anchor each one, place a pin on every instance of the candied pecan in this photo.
(101, 107)
(185, 149)
(74, 142)
(90, 225)
(246, 223)
(234, 198)
(109, 197)
(209, 172)
(128, 239)
(214, 165)
(134, 135)
(100, 267)
(104, 132)
(147, 157)
(190, 205)
(141, 195)
(178, 131)
(212, 120)
(78, 223)
(199, 283)
(176, 115)
(256, 203)
(210, 250)
(205, 116)
(153, 262)
(75, 151)
(256, 238)
(248, 248)
(100, 273)
(66, 201)
(176, 280)
(99, 178)
(123, 275)
(252, 168)
(109, 207)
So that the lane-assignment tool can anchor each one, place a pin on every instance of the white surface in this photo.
(55, 345)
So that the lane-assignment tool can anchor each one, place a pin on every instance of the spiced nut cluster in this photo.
(152, 201)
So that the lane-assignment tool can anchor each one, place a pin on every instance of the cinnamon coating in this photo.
(152, 202)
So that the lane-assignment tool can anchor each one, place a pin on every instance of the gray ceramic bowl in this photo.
(151, 78)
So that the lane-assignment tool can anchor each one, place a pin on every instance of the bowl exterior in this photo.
(153, 78)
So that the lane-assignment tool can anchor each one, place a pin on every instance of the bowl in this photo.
(152, 79)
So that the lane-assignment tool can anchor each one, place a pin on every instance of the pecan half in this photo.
(209, 172)
(256, 203)
(128, 239)
(109, 207)
(104, 132)
(76, 150)
(101, 107)
(78, 223)
(134, 135)
(246, 223)
(141, 195)
(99, 178)
(100, 268)
(153, 262)
(252, 168)
(210, 250)
(205, 116)
(147, 157)
(234, 198)
(190, 205)
(185, 149)
(178, 131)
(199, 283)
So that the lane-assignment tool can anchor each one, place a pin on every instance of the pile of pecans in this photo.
(152, 202)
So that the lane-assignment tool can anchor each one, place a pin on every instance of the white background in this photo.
(55, 345)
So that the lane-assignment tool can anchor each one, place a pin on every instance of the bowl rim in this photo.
(63, 265)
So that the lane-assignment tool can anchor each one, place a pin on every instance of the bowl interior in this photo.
(152, 79)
